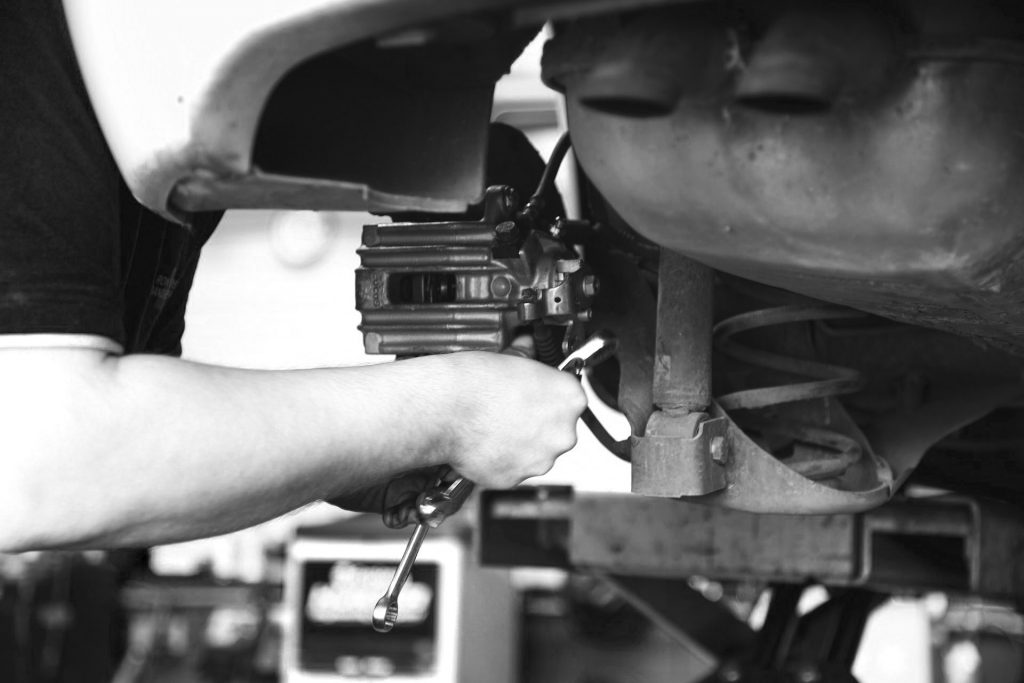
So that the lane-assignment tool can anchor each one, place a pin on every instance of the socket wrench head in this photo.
(598, 348)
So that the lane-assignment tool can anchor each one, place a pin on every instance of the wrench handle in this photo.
(412, 549)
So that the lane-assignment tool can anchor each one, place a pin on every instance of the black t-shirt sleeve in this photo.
(60, 259)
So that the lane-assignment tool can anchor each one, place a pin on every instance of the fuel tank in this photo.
(868, 154)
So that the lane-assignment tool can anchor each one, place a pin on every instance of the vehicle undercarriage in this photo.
(801, 221)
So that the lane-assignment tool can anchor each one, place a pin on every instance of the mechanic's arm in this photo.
(98, 450)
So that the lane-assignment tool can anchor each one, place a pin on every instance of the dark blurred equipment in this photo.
(978, 641)
(819, 646)
(200, 629)
(458, 622)
(60, 618)
(641, 549)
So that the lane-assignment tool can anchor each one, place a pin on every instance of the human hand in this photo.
(512, 417)
(396, 500)
(503, 418)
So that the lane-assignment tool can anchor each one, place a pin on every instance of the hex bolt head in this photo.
(591, 285)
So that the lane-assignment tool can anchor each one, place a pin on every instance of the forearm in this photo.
(144, 449)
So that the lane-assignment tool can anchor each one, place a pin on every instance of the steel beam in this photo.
(949, 543)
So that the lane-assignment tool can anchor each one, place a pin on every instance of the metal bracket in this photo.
(680, 456)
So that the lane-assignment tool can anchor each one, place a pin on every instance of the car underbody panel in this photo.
(831, 149)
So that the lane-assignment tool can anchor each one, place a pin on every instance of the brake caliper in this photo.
(467, 285)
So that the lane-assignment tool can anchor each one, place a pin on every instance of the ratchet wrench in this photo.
(443, 500)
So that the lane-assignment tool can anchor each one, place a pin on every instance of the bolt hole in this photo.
(558, 299)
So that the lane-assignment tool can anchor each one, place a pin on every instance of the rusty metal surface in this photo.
(760, 482)
(804, 456)
(681, 453)
(682, 351)
(648, 537)
(904, 203)
(944, 543)
(680, 456)
(830, 466)
(982, 555)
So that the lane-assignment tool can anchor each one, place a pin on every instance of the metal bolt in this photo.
(718, 452)
(585, 315)
(591, 285)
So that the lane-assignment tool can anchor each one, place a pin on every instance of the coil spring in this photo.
(548, 347)
(817, 453)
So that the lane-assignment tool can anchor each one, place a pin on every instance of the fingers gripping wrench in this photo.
(444, 500)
